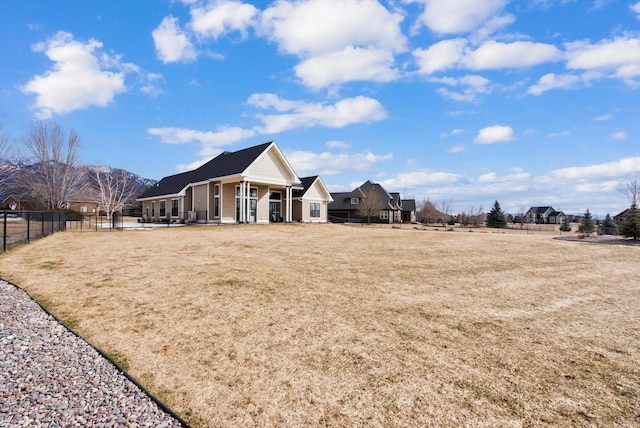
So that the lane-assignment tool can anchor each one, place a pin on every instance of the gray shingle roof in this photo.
(225, 164)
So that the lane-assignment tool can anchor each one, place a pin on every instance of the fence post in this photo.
(28, 226)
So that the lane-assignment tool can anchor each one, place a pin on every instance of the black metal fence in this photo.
(93, 222)
(19, 227)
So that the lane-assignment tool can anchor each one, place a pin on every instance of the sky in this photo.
(529, 102)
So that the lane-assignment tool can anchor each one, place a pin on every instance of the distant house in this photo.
(620, 217)
(371, 202)
(409, 211)
(544, 215)
(253, 185)
(27, 202)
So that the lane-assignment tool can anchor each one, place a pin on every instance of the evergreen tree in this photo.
(565, 226)
(609, 226)
(587, 225)
(630, 226)
(496, 217)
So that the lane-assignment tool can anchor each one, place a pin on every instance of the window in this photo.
(354, 201)
(384, 215)
(153, 209)
(315, 209)
(174, 208)
(275, 196)
(216, 201)
(163, 208)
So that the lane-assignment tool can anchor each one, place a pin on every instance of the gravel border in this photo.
(51, 377)
(600, 239)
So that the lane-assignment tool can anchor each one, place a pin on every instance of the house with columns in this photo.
(252, 185)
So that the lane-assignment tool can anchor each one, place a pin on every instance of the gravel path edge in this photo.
(165, 408)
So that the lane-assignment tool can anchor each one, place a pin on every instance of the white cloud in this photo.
(610, 186)
(620, 168)
(511, 179)
(336, 41)
(603, 117)
(210, 141)
(619, 135)
(617, 58)
(337, 145)
(558, 134)
(495, 134)
(490, 55)
(455, 149)
(554, 81)
(222, 17)
(183, 167)
(489, 177)
(461, 16)
(79, 78)
(456, 131)
(423, 177)
(320, 26)
(496, 55)
(440, 56)
(172, 44)
(636, 9)
(327, 163)
(304, 115)
(349, 64)
(472, 85)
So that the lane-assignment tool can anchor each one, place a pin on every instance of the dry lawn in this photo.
(326, 325)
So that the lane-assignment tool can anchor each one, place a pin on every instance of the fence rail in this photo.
(20, 227)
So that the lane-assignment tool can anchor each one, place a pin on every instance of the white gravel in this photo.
(49, 377)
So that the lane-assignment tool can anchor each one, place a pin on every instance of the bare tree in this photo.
(474, 217)
(6, 163)
(56, 178)
(113, 189)
(631, 191)
(445, 209)
(428, 211)
(370, 205)
(522, 210)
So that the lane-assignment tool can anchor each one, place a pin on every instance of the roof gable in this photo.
(313, 187)
(271, 165)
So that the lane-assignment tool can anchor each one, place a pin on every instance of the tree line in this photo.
(49, 174)
(429, 212)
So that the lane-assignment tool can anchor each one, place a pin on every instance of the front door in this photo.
(275, 210)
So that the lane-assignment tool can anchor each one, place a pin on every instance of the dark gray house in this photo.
(371, 203)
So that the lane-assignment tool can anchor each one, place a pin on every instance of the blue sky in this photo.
(532, 102)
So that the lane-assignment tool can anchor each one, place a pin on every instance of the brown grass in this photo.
(289, 325)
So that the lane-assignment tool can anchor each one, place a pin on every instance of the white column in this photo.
(288, 204)
(208, 211)
(240, 197)
(247, 203)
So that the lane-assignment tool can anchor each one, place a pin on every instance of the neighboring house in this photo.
(369, 202)
(253, 185)
(24, 202)
(311, 201)
(544, 215)
(620, 217)
(409, 211)
(87, 207)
